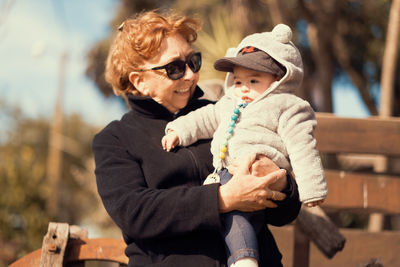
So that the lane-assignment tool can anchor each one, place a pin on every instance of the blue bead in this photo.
(236, 111)
(230, 130)
(234, 117)
(232, 124)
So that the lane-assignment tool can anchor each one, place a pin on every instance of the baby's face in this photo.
(249, 84)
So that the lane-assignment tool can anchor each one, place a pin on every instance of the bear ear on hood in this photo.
(282, 33)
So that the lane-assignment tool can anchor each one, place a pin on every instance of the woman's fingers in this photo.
(262, 166)
(233, 167)
(244, 167)
(276, 195)
(246, 192)
(274, 176)
(270, 204)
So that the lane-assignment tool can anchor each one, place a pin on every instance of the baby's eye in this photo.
(253, 81)
(238, 82)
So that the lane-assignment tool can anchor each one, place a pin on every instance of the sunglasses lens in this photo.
(194, 62)
(176, 69)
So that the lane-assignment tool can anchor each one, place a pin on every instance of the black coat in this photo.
(167, 218)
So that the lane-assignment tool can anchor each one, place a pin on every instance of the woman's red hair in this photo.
(138, 40)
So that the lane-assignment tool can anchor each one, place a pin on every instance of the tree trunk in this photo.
(389, 60)
(242, 14)
(376, 220)
(275, 11)
(54, 157)
(341, 52)
(319, 47)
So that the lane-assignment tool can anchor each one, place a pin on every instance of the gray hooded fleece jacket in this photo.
(277, 124)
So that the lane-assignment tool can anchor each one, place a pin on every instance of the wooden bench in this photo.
(356, 192)
(301, 243)
(66, 245)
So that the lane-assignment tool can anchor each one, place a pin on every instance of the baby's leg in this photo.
(240, 236)
(240, 239)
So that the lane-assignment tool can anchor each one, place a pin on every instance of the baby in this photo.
(259, 114)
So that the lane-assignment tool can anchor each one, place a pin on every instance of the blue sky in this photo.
(34, 34)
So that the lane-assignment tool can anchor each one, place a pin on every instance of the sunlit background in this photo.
(35, 34)
(51, 61)
(33, 37)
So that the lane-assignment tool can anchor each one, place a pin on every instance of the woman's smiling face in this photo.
(172, 94)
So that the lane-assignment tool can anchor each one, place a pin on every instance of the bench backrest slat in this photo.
(371, 135)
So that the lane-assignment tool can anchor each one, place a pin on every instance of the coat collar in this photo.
(146, 106)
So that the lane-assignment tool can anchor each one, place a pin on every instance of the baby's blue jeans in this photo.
(240, 234)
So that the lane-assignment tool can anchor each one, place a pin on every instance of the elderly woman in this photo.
(167, 217)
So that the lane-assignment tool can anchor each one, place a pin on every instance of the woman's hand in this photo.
(262, 166)
(246, 192)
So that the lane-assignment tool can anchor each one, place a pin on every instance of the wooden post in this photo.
(376, 220)
(76, 233)
(301, 251)
(54, 244)
(318, 228)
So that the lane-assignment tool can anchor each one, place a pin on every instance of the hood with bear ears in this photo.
(278, 45)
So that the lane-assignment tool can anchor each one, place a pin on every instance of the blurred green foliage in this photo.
(25, 190)
(350, 38)
(24, 148)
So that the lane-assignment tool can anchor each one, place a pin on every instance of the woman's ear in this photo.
(136, 80)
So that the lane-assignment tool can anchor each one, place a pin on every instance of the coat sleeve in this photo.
(198, 124)
(142, 212)
(289, 208)
(296, 127)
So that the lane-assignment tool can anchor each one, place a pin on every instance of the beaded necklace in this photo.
(229, 131)
(214, 177)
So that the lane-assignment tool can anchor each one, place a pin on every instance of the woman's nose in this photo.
(189, 74)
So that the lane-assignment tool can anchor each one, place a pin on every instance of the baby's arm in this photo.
(170, 140)
(198, 124)
(296, 128)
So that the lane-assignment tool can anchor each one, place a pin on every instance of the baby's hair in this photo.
(139, 39)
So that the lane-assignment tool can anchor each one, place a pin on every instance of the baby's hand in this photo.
(170, 140)
(314, 203)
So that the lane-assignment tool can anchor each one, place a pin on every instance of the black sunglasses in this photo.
(177, 68)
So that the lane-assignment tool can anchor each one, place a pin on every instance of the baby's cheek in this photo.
(237, 92)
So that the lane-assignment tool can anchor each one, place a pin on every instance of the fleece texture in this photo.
(277, 124)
